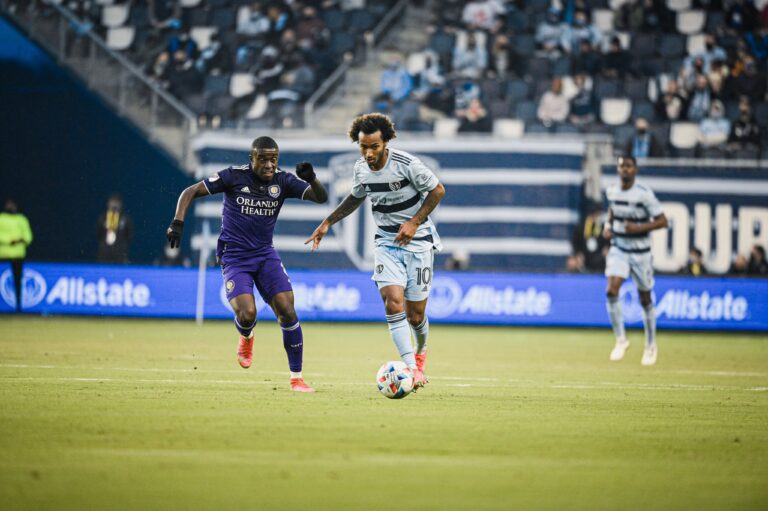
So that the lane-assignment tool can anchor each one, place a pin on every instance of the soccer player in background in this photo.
(633, 212)
(253, 196)
(403, 192)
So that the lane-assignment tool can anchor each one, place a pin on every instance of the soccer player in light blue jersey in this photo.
(253, 195)
(403, 192)
(633, 212)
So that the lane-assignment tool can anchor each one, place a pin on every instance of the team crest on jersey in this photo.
(230, 285)
(394, 186)
(274, 191)
(379, 268)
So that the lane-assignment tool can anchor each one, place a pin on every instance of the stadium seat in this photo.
(224, 19)
(518, 21)
(104, 2)
(190, 3)
(441, 43)
(115, 15)
(138, 17)
(490, 89)
(202, 36)
(342, 42)
(334, 19)
(643, 46)
(360, 21)
(446, 128)
(684, 135)
(644, 109)
(603, 19)
(500, 108)
(760, 111)
(715, 20)
(615, 111)
(695, 44)
(537, 5)
(747, 153)
(615, 4)
(671, 46)
(196, 17)
(241, 84)
(508, 128)
(524, 44)
(562, 128)
(712, 152)
(258, 107)
(216, 85)
(537, 127)
(622, 134)
(636, 88)
(416, 62)
(538, 68)
(561, 67)
(679, 5)
(518, 90)
(606, 88)
(691, 22)
(120, 38)
(526, 110)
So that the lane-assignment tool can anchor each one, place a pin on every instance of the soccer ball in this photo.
(395, 380)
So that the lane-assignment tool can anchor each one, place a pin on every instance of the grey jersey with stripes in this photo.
(638, 204)
(397, 192)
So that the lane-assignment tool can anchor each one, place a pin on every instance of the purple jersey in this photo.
(251, 208)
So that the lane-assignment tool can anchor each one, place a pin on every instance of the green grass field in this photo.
(105, 414)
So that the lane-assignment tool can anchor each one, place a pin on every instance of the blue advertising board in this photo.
(477, 298)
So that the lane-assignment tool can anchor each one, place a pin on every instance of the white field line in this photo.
(509, 384)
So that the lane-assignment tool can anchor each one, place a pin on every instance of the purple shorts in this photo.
(266, 271)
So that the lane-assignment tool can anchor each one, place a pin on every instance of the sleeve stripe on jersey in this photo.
(393, 208)
(206, 186)
(633, 235)
(305, 191)
(385, 187)
(400, 158)
(638, 219)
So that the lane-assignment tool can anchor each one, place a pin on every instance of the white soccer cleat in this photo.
(617, 353)
(649, 355)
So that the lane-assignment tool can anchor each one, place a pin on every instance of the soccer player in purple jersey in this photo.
(253, 196)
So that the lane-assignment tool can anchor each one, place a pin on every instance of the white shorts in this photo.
(399, 267)
(623, 264)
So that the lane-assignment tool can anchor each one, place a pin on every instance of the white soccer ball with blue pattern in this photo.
(395, 380)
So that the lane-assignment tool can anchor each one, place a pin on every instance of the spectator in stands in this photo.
(617, 62)
(740, 266)
(216, 59)
(251, 20)
(180, 41)
(163, 13)
(741, 16)
(549, 34)
(396, 84)
(751, 82)
(470, 60)
(643, 144)
(182, 77)
(657, 17)
(717, 77)
(757, 40)
(572, 7)
(280, 19)
(701, 100)
(430, 79)
(587, 61)
(630, 16)
(695, 265)
(114, 232)
(464, 93)
(581, 29)
(588, 244)
(745, 131)
(482, 14)
(715, 128)
(712, 52)
(503, 57)
(311, 30)
(296, 86)
(475, 118)
(688, 75)
(583, 107)
(553, 106)
(268, 70)
(757, 262)
(671, 106)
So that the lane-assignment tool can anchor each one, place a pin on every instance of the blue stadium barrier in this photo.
(475, 298)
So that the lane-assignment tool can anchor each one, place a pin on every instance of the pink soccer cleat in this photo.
(421, 360)
(245, 352)
(299, 385)
(419, 379)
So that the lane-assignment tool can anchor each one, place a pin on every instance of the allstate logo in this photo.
(445, 297)
(33, 288)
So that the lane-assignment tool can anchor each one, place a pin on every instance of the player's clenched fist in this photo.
(174, 233)
(305, 171)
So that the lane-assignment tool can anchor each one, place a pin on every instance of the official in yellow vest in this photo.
(15, 237)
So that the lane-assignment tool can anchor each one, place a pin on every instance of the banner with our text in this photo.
(477, 298)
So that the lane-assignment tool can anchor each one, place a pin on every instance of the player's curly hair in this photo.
(371, 123)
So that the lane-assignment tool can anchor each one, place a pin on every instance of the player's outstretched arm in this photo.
(347, 206)
(173, 234)
(316, 192)
(408, 229)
